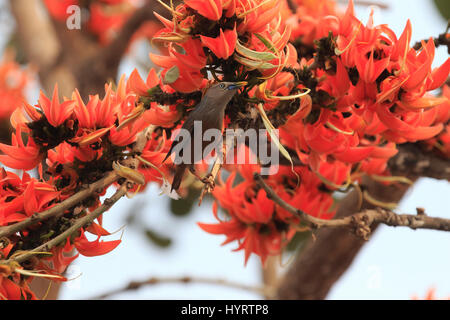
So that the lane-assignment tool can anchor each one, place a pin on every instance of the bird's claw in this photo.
(209, 182)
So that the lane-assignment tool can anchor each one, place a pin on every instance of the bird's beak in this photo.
(237, 85)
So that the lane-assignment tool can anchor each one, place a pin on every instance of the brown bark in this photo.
(41, 45)
(103, 65)
(414, 161)
(72, 58)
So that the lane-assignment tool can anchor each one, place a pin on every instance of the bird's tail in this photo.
(179, 173)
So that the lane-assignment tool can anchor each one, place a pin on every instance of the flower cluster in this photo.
(367, 92)
(79, 142)
(255, 221)
(232, 40)
(342, 95)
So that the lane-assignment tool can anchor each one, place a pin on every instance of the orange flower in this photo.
(55, 112)
(137, 85)
(19, 156)
(211, 9)
(94, 248)
(223, 46)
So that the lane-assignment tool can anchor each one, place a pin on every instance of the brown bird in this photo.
(210, 111)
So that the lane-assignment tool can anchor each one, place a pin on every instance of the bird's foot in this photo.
(209, 182)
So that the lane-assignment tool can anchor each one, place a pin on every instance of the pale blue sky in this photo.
(395, 264)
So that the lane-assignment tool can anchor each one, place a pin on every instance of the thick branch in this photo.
(102, 66)
(41, 45)
(411, 160)
(36, 32)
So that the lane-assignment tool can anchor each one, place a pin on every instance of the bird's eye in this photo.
(222, 86)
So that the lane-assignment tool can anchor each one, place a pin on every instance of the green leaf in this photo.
(266, 42)
(171, 75)
(252, 54)
(158, 239)
(261, 65)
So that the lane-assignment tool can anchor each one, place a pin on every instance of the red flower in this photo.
(137, 85)
(19, 156)
(62, 257)
(12, 85)
(10, 290)
(188, 66)
(211, 9)
(55, 112)
(223, 46)
(94, 248)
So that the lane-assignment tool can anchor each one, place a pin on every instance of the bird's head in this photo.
(225, 89)
(219, 94)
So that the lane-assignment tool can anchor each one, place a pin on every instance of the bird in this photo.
(210, 111)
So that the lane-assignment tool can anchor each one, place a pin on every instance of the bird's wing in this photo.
(189, 126)
(185, 141)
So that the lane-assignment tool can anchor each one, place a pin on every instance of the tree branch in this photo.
(92, 73)
(41, 45)
(411, 160)
(59, 209)
(183, 280)
(322, 261)
(80, 223)
(441, 40)
(96, 187)
(362, 221)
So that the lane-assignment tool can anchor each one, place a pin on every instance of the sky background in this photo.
(395, 264)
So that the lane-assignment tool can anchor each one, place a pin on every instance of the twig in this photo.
(441, 40)
(209, 187)
(95, 187)
(80, 223)
(183, 280)
(362, 221)
(59, 209)
(322, 261)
